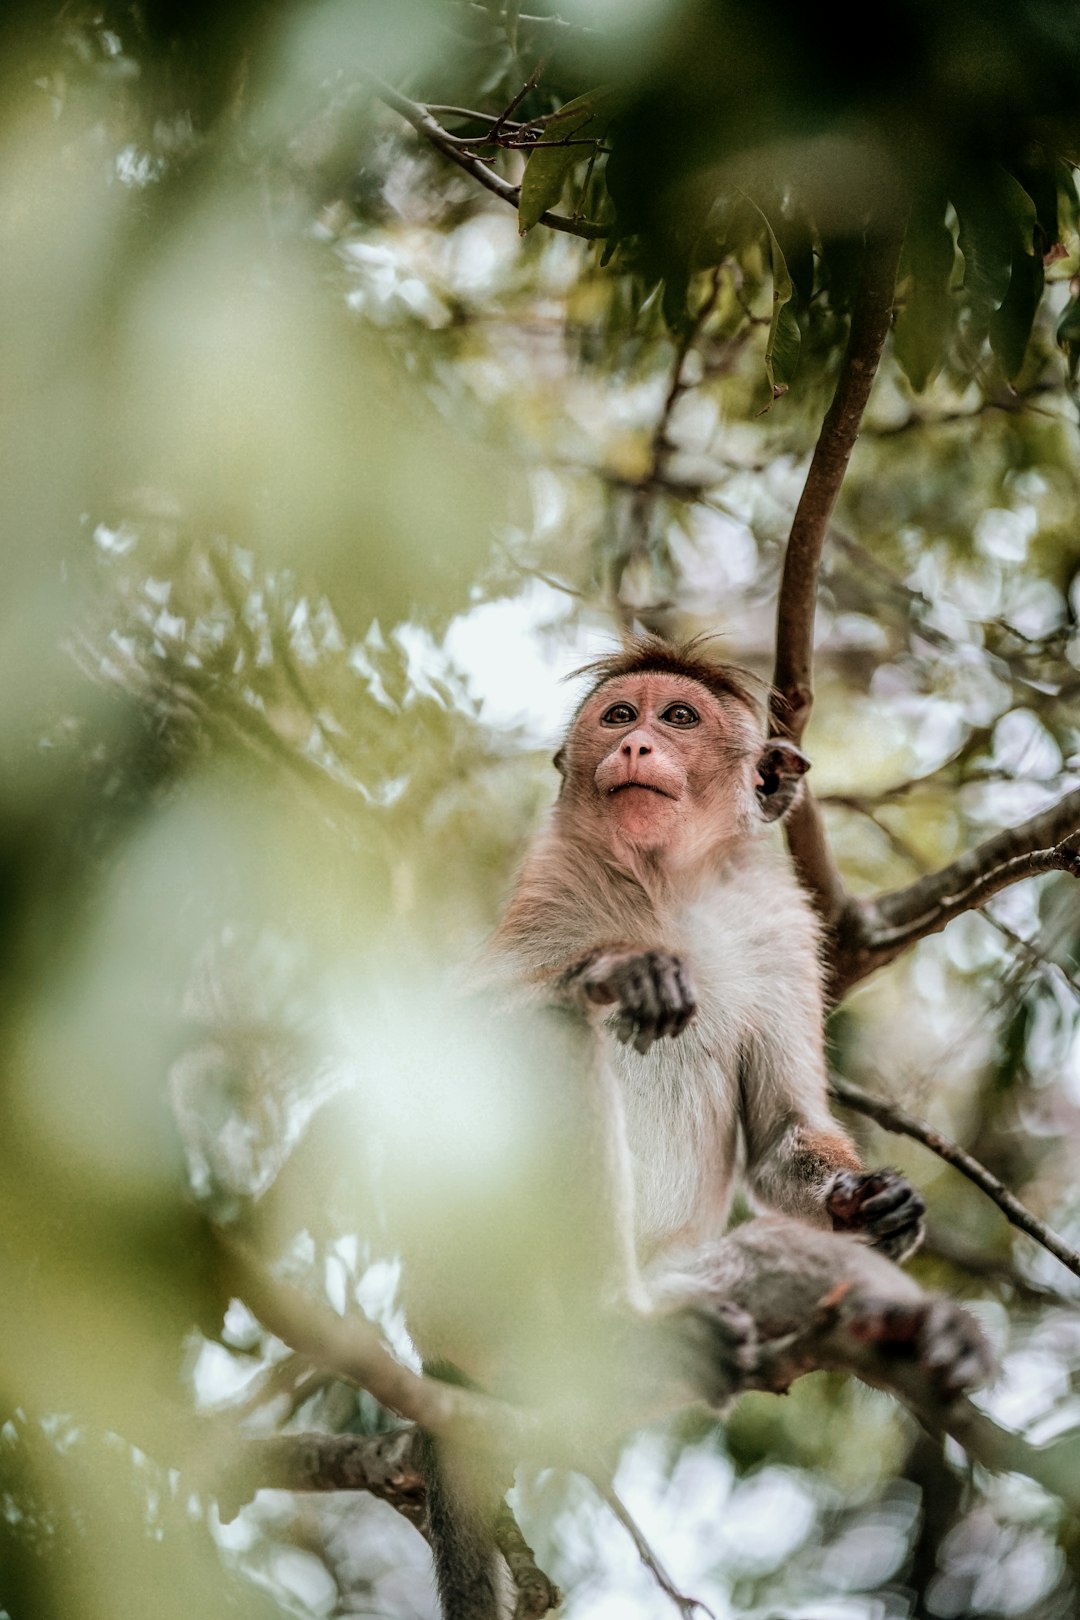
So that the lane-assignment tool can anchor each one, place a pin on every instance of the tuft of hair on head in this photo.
(643, 653)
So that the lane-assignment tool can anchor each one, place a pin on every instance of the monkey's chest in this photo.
(681, 1102)
(682, 1096)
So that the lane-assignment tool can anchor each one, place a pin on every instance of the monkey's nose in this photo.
(633, 748)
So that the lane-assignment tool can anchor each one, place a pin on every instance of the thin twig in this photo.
(530, 84)
(687, 1606)
(529, 18)
(423, 121)
(383, 1464)
(894, 1118)
(661, 447)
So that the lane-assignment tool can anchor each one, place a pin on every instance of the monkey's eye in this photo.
(680, 714)
(620, 714)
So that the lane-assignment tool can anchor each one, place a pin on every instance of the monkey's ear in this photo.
(559, 762)
(780, 768)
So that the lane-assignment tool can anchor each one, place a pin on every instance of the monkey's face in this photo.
(659, 762)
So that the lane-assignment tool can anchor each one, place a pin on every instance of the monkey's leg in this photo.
(821, 1299)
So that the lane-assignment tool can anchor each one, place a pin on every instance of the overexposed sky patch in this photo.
(515, 653)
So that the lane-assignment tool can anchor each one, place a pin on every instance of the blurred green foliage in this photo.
(315, 477)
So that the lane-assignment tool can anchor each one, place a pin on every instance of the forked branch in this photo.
(426, 124)
(869, 933)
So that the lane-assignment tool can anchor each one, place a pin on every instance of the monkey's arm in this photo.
(798, 1160)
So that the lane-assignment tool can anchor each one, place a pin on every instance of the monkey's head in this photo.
(666, 754)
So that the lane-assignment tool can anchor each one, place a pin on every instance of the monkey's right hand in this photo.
(651, 989)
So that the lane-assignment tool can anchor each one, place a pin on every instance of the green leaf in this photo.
(924, 322)
(994, 219)
(792, 230)
(782, 350)
(1068, 335)
(552, 159)
(1010, 326)
(784, 339)
(674, 303)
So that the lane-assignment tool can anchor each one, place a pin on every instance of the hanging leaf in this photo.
(1068, 335)
(675, 300)
(995, 219)
(1068, 202)
(784, 339)
(1010, 326)
(791, 227)
(782, 350)
(925, 319)
(560, 147)
(1036, 172)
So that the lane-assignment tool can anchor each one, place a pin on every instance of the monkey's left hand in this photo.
(881, 1206)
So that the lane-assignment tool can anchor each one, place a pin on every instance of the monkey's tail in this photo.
(461, 1523)
(463, 1502)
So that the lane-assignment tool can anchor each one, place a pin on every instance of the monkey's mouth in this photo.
(647, 787)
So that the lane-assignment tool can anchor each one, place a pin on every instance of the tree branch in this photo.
(423, 121)
(793, 671)
(354, 1350)
(384, 1464)
(387, 1466)
(793, 674)
(806, 1332)
(869, 933)
(894, 1118)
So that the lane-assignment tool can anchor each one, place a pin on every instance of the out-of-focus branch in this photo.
(806, 1334)
(387, 1466)
(687, 1606)
(793, 678)
(426, 124)
(383, 1464)
(354, 1349)
(869, 933)
(536, 1594)
(894, 1118)
(662, 447)
(511, 13)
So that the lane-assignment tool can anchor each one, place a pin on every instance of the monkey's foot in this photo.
(946, 1342)
(653, 995)
(879, 1205)
(718, 1348)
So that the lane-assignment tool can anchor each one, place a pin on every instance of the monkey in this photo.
(651, 905)
(651, 910)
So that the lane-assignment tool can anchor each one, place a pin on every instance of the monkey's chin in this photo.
(643, 819)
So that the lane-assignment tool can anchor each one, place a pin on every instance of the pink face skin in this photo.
(659, 762)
